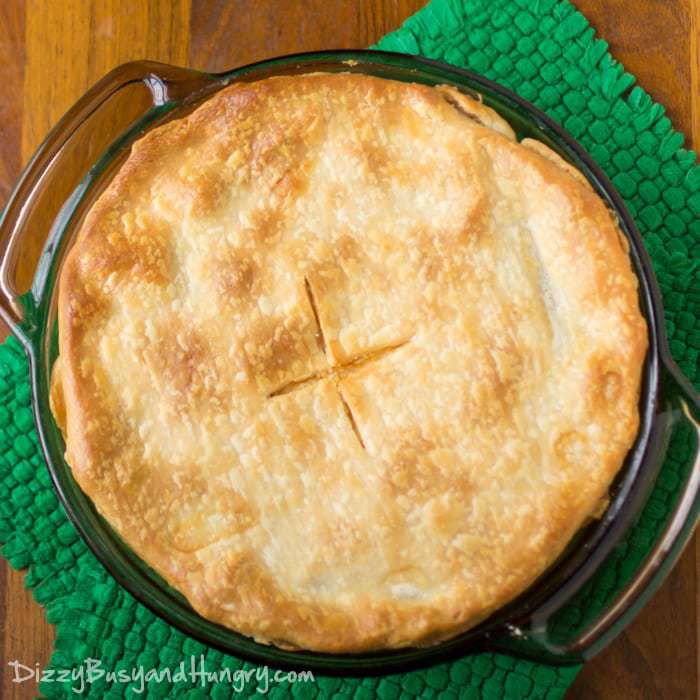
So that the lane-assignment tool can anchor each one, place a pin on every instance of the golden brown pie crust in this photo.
(344, 362)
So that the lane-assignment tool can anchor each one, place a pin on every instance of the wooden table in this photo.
(52, 50)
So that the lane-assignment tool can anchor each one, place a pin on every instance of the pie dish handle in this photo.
(56, 178)
(680, 407)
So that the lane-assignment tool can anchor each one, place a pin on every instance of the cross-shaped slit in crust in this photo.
(335, 371)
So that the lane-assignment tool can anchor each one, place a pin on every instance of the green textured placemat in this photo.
(545, 51)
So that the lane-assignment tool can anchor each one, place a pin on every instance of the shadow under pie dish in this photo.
(344, 362)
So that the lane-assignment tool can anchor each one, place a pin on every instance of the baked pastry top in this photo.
(344, 362)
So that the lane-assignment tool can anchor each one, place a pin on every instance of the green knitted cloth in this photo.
(546, 52)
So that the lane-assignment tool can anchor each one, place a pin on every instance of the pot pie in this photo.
(345, 362)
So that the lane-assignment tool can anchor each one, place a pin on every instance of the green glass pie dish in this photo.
(40, 221)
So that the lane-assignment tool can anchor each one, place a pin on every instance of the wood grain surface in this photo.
(52, 50)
